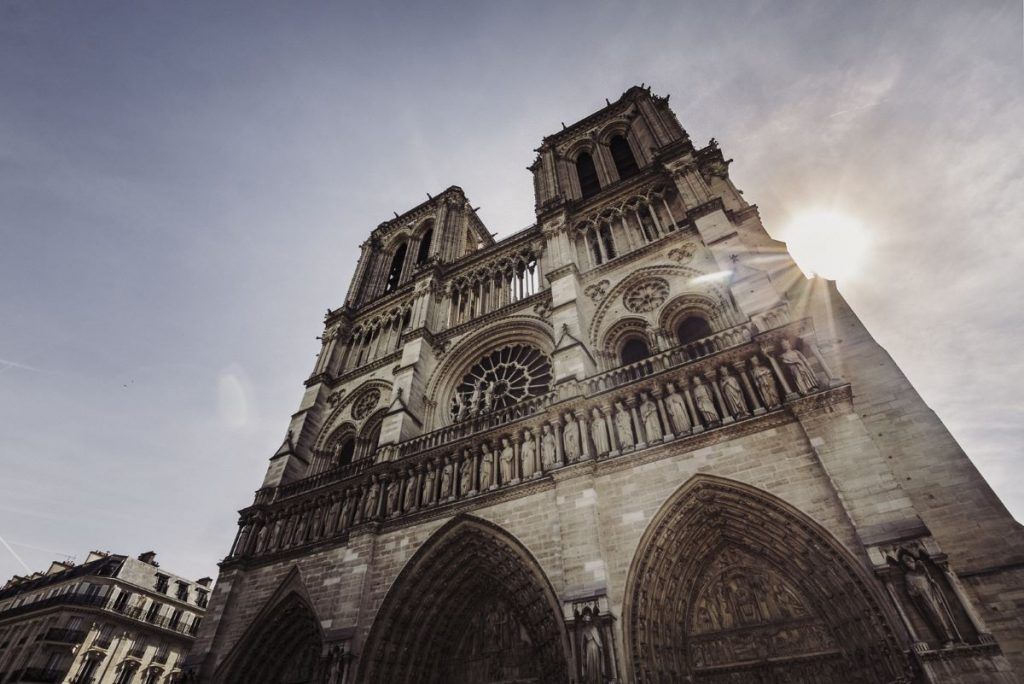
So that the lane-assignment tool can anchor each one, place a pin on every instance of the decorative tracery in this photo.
(500, 379)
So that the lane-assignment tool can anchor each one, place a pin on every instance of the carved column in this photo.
(787, 390)
(559, 450)
(695, 419)
(609, 423)
(667, 427)
(712, 378)
(638, 428)
(741, 371)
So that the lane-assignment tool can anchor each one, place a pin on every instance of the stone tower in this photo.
(630, 443)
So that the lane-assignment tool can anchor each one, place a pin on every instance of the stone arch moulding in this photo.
(334, 419)
(471, 605)
(457, 361)
(282, 644)
(730, 583)
(616, 335)
(678, 308)
(679, 278)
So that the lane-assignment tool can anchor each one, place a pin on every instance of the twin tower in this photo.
(630, 443)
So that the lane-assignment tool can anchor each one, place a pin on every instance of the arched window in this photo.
(622, 155)
(424, 249)
(346, 452)
(692, 328)
(635, 349)
(589, 184)
(395, 272)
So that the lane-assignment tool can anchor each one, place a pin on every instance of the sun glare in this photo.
(827, 243)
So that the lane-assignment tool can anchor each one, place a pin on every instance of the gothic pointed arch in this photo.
(282, 645)
(730, 583)
(471, 605)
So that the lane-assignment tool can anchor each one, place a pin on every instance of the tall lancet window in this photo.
(587, 173)
(622, 155)
(395, 272)
(424, 249)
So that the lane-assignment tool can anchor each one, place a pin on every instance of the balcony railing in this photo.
(62, 636)
(98, 602)
(675, 395)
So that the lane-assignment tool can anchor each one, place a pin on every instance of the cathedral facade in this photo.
(630, 443)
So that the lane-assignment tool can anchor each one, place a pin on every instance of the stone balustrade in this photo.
(676, 397)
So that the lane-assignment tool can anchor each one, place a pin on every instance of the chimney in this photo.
(204, 581)
(149, 557)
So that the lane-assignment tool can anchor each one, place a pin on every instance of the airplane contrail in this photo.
(16, 556)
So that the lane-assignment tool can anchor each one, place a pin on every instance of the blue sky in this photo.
(183, 186)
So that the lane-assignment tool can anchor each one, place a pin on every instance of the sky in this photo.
(183, 187)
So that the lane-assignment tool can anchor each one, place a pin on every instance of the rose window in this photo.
(646, 296)
(500, 379)
(366, 402)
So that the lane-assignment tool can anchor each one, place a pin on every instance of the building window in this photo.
(692, 328)
(587, 174)
(154, 610)
(175, 619)
(424, 249)
(622, 155)
(162, 583)
(182, 592)
(635, 349)
(126, 675)
(347, 451)
(395, 272)
(121, 602)
(203, 598)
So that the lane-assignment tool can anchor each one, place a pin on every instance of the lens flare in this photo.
(827, 243)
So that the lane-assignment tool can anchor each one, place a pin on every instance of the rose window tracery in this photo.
(646, 295)
(365, 403)
(500, 379)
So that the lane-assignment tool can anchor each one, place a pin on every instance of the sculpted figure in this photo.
(466, 475)
(486, 467)
(765, 382)
(803, 376)
(928, 598)
(571, 439)
(508, 456)
(345, 518)
(623, 425)
(458, 406)
(599, 432)
(410, 490)
(733, 393)
(428, 486)
(489, 397)
(529, 453)
(649, 414)
(676, 408)
(705, 401)
(372, 498)
(593, 650)
(261, 539)
(393, 499)
(447, 476)
(331, 526)
(475, 399)
(548, 451)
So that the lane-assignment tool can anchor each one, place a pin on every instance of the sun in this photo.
(827, 243)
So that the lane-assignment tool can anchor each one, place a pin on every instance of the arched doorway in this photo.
(472, 605)
(282, 647)
(732, 584)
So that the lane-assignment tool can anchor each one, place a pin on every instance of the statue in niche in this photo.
(261, 539)
(410, 490)
(927, 596)
(548, 450)
(803, 376)
(529, 455)
(623, 425)
(507, 461)
(733, 394)
(486, 467)
(393, 496)
(447, 475)
(571, 438)
(331, 524)
(345, 518)
(676, 408)
(704, 401)
(372, 498)
(475, 399)
(599, 433)
(488, 397)
(649, 415)
(458, 407)
(428, 486)
(466, 475)
(765, 382)
(592, 648)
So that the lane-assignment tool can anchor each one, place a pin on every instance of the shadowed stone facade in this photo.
(630, 443)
